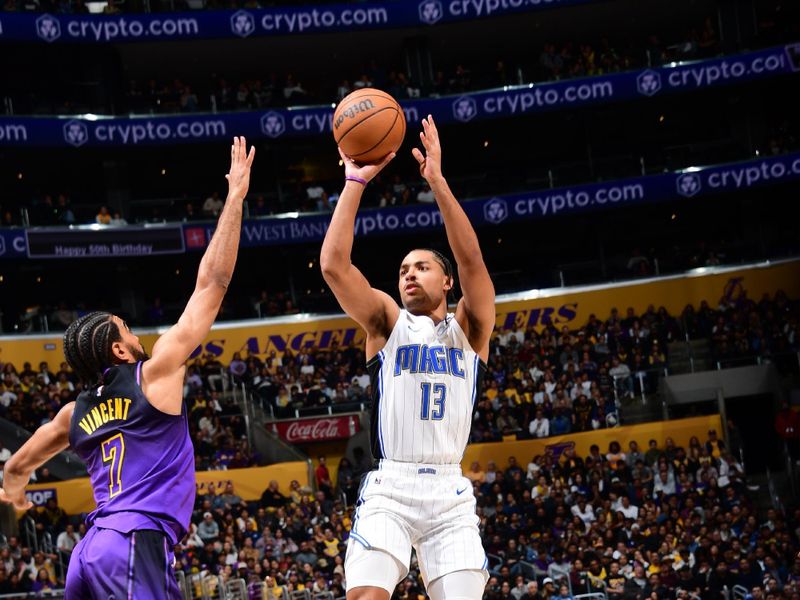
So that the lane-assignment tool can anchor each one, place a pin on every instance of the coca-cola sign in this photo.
(323, 429)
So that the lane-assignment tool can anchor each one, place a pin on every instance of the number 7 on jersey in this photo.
(113, 454)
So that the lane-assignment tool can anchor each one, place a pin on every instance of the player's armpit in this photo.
(173, 348)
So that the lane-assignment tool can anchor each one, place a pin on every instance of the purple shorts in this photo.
(110, 565)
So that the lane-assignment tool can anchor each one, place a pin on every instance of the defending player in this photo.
(130, 426)
(426, 366)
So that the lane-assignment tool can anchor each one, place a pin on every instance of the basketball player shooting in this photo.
(426, 367)
(130, 427)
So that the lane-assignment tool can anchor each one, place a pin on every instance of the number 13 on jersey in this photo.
(439, 397)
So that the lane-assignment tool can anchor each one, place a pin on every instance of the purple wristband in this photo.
(356, 179)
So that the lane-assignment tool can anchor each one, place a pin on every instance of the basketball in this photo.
(368, 124)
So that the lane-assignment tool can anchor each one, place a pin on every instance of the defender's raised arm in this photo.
(213, 277)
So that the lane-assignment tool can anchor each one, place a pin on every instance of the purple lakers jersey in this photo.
(140, 460)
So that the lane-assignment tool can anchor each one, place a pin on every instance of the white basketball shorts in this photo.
(428, 507)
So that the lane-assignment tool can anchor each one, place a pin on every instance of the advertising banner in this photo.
(248, 23)
(509, 101)
(323, 429)
(491, 212)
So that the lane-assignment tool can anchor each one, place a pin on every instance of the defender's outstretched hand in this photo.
(430, 164)
(365, 172)
(239, 175)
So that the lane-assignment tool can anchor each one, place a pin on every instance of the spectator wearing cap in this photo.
(548, 590)
(208, 530)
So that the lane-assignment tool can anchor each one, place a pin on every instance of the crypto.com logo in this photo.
(242, 23)
(648, 83)
(430, 11)
(273, 124)
(76, 133)
(464, 109)
(495, 211)
(689, 184)
(48, 28)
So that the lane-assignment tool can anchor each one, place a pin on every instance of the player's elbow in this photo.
(213, 282)
(14, 467)
(473, 259)
(331, 267)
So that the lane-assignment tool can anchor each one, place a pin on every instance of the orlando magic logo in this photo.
(75, 133)
(495, 210)
(648, 83)
(689, 184)
(430, 11)
(242, 23)
(48, 28)
(273, 124)
(464, 109)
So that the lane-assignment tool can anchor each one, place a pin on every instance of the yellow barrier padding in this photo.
(560, 306)
(75, 495)
(680, 430)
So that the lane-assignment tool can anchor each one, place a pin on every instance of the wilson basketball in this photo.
(368, 124)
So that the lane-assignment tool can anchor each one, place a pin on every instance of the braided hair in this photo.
(447, 267)
(87, 345)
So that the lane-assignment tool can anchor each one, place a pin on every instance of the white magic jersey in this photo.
(424, 384)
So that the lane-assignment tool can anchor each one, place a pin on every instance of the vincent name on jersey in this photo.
(421, 358)
(113, 409)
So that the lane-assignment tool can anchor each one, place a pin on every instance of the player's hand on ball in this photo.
(430, 164)
(239, 175)
(20, 502)
(366, 172)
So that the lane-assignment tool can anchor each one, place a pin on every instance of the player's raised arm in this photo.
(476, 309)
(373, 309)
(213, 276)
(47, 441)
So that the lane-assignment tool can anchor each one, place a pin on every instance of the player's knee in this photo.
(459, 585)
(367, 593)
